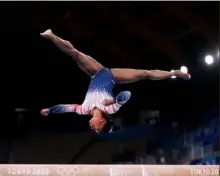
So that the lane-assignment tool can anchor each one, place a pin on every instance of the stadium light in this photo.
(173, 77)
(20, 110)
(184, 69)
(209, 59)
(162, 160)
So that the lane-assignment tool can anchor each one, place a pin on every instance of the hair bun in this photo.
(115, 127)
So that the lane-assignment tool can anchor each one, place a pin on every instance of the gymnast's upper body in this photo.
(99, 101)
(96, 100)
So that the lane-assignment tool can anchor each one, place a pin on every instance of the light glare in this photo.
(184, 69)
(209, 59)
(173, 77)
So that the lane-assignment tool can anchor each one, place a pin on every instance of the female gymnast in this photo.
(99, 101)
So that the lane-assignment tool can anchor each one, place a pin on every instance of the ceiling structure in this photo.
(128, 30)
(131, 30)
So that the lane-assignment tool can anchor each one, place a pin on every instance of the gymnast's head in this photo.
(100, 122)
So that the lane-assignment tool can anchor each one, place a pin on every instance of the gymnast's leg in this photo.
(132, 75)
(85, 62)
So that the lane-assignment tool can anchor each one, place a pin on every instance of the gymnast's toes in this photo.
(47, 33)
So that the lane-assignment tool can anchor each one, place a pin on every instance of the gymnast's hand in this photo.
(182, 75)
(45, 112)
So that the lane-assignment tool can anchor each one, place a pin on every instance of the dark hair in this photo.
(110, 127)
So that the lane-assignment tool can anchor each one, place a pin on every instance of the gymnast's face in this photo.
(97, 122)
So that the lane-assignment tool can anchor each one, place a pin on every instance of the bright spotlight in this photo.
(218, 54)
(184, 69)
(209, 59)
(173, 77)
(20, 110)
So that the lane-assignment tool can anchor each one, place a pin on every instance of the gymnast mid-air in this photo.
(99, 101)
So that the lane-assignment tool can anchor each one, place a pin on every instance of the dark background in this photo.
(145, 35)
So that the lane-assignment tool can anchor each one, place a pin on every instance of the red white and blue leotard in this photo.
(100, 88)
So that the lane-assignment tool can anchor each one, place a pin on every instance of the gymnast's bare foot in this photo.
(182, 75)
(47, 34)
(45, 112)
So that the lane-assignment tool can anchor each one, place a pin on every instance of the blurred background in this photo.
(166, 122)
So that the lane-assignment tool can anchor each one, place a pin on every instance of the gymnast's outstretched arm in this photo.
(63, 109)
(85, 62)
(133, 75)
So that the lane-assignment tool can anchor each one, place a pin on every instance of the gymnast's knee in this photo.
(143, 74)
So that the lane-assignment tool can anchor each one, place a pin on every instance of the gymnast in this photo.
(99, 101)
